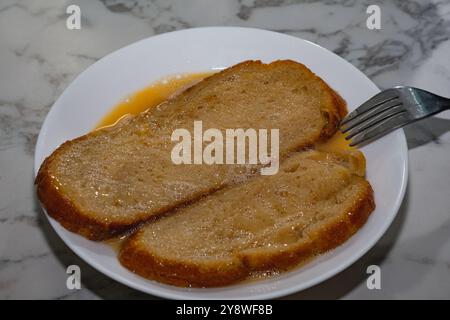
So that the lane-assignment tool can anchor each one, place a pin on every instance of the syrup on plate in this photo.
(151, 96)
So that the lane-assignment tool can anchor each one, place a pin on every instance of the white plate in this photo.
(106, 82)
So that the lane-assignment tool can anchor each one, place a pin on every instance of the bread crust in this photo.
(141, 261)
(179, 273)
(64, 210)
(68, 214)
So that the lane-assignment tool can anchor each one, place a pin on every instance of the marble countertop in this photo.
(39, 57)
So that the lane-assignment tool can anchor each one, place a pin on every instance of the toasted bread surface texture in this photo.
(111, 180)
(314, 203)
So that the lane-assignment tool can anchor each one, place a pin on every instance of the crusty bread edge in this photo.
(181, 274)
(144, 263)
(333, 116)
(63, 209)
(322, 239)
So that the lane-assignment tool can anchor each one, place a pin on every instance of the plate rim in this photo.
(193, 295)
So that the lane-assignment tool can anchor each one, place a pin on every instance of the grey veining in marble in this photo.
(39, 57)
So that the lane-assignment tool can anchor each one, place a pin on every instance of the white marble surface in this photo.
(39, 57)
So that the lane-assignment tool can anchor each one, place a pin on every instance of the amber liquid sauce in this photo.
(151, 96)
(336, 143)
(160, 91)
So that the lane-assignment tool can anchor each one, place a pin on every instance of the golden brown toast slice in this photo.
(110, 180)
(314, 203)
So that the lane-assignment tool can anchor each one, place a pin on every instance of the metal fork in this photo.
(388, 110)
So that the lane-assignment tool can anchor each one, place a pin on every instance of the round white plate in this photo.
(109, 80)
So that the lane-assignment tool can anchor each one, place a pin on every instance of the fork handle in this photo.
(445, 104)
(436, 104)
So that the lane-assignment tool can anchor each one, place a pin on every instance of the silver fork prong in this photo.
(369, 114)
(378, 99)
(381, 129)
(386, 114)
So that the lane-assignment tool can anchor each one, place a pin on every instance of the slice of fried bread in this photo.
(314, 203)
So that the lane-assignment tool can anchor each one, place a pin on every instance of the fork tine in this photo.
(381, 129)
(369, 114)
(386, 114)
(376, 100)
